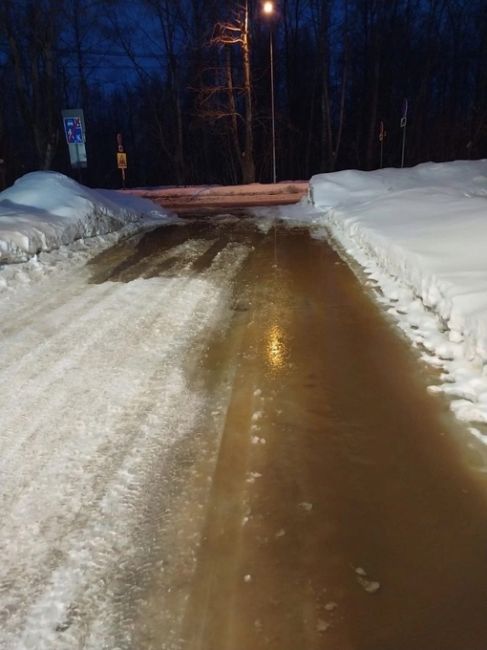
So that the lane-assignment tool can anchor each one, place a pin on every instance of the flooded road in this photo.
(328, 501)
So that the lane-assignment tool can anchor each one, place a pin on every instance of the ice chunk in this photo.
(322, 626)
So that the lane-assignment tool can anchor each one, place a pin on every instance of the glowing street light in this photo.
(268, 9)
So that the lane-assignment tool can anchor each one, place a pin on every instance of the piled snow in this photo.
(192, 198)
(45, 210)
(208, 192)
(421, 234)
(302, 213)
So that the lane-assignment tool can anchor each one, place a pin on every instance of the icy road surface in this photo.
(211, 439)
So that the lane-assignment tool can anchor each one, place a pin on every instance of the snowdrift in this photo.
(44, 210)
(421, 234)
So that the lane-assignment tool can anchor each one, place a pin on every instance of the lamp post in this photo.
(268, 9)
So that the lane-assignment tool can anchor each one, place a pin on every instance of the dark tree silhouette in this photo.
(187, 82)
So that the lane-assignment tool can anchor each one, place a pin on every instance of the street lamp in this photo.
(268, 9)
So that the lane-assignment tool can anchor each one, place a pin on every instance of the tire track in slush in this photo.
(75, 309)
(163, 311)
(60, 346)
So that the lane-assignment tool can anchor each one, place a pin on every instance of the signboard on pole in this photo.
(382, 137)
(121, 158)
(73, 129)
(404, 117)
(404, 122)
(75, 132)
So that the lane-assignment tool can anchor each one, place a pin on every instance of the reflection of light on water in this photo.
(276, 347)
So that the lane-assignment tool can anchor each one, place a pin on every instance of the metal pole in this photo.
(403, 145)
(274, 173)
(275, 243)
(382, 153)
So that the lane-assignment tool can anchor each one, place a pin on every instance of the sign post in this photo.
(382, 136)
(75, 132)
(121, 158)
(404, 123)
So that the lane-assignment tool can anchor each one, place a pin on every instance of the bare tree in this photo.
(237, 33)
(31, 29)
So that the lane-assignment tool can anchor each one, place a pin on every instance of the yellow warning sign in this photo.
(122, 160)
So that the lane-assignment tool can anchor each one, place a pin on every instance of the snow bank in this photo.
(421, 235)
(192, 198)
(216, 191)
(45, 210)
(352, 187)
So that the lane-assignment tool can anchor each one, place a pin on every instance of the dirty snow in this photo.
(209, 193)
(93, 396)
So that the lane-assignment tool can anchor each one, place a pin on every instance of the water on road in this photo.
(344, 511)
(213, 439)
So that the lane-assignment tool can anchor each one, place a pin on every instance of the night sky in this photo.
(162, 73)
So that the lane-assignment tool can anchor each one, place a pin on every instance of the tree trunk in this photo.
(248, 165)
(232, 108)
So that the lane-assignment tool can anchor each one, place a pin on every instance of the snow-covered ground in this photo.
(420, 235)
(43, 211)
(93, 392)
(87, 405)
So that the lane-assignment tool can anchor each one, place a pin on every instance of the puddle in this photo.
(365, 529)
(343, 512)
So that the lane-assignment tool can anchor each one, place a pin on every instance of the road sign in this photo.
(121, 160)
(74, 129)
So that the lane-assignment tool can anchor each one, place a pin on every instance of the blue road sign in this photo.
(73, 128)
(75, 131)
